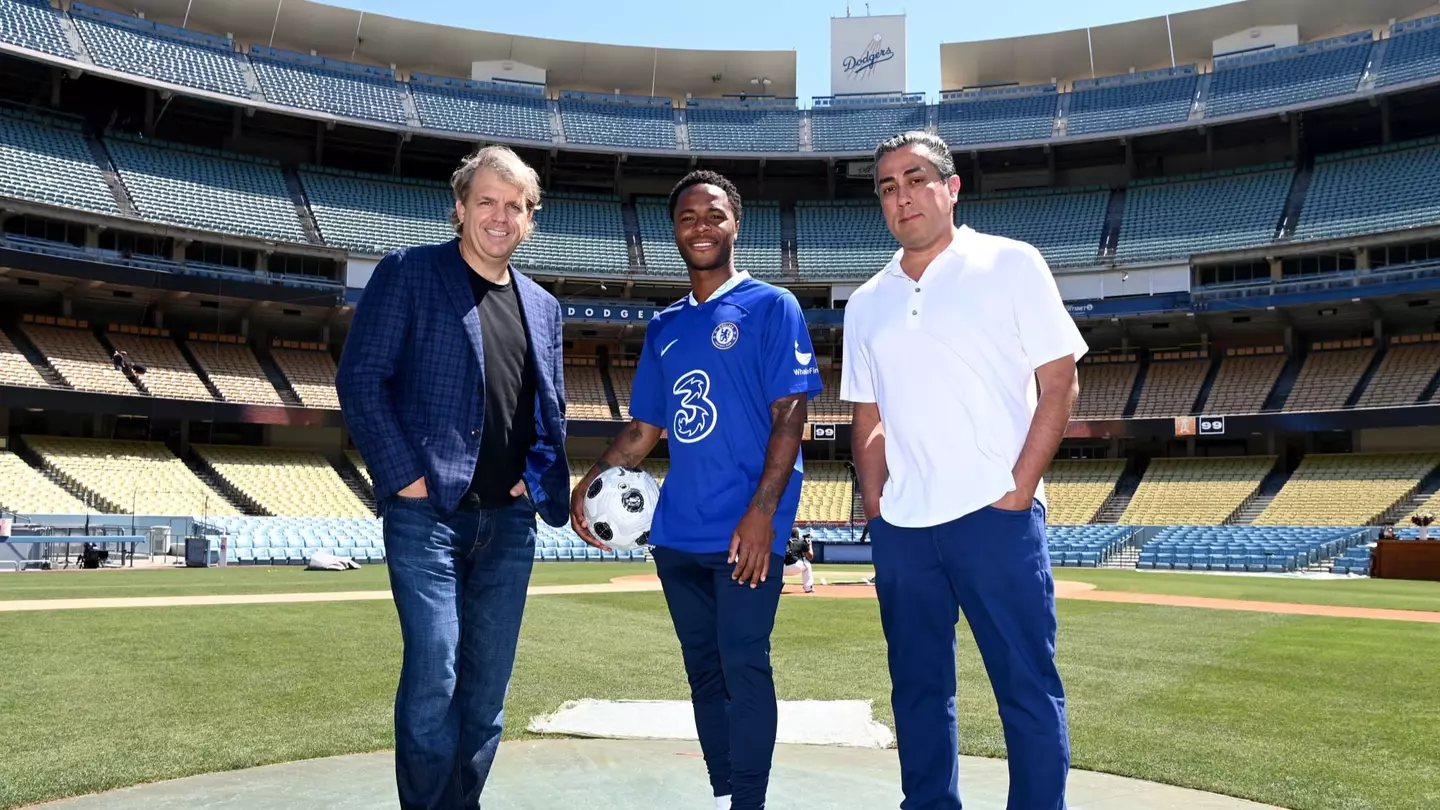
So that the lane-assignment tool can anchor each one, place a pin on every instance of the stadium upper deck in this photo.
(664, 101)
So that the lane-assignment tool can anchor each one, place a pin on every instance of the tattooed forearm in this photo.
(629, 448)
(787, 427)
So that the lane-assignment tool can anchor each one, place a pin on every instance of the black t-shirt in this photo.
(795, 549)
(509, 391)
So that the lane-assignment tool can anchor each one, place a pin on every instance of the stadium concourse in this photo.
(1242, 221)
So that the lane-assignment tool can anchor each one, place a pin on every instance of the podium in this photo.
(1406, 559)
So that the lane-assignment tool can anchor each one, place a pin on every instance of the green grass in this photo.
(1302, 712)
(1359, 592)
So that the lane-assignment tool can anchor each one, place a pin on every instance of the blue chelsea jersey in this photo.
(707, 374)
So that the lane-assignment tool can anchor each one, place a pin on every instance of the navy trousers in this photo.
(724, 630)
(994, 565)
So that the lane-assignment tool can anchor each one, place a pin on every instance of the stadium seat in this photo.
(1064, 226)
(1177, 217)
(1369, 191)
(168, 374)
(1410, 363)
(642, 125)
(585, 390)
(1075, 489)
(1288, 76)
(743, 127)
(1121, 103)
(311, 373)
(161, 52)
(129, 477)
(1085, 546)
(15, 368)
(34, 24)
(78, 357)
(285, 482)
(1272, 549)
(27, 491)
(1245, 379)
(328, 86)
(1330, 374)
(46, 160)
(234, 371)
(1172, 384)
(1195, 491)
(1105, 384)
(827, 494)
(983, 118)
(207, 189)
(1346, 489)
(827, 405)
(1413, 53)
(860, 129)
(846, 239)
(460, 106)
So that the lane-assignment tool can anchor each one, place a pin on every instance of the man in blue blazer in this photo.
(452, 388)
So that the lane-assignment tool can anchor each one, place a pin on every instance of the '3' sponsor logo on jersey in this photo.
(696, 415)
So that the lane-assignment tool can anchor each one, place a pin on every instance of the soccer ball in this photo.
(619, 506)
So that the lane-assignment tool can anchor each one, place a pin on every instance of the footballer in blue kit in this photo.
(727, 373)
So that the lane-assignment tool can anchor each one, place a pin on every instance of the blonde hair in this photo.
(505, 163)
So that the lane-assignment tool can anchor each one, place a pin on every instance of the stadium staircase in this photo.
(1429, 485)
(1115, 505)
(1430, 388)
(1204, 396)
(1202, 97)
(136, 380)
(218, 485)
(1114, 218)
(37, 358)
(277, 378)
(634, 248)
(1269, 487)
(199, 369)
(1372, 70)
(77, 44)
(302, 206)
(1285, 383)
(112, 177)
(1295, 202)
(1133, 402)
(602, 361)
(1364, 381)
(1126, 557)
(789, 265)
(356, 482)
(28, 455)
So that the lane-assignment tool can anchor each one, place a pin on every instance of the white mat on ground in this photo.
(804, 722)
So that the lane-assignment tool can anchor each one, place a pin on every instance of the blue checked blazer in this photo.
(411, 373)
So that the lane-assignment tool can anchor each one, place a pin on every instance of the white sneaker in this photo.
(722, 803)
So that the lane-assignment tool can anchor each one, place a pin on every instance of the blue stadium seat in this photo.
(35, 25)
(1177, 217)
(985, 118)
(325, 85)
(1291, 76)
(860, 129)
(461, 106)
(742, 126)
(46, 160)
(845, 239)
(643, 125)
(1120, 103)
(161, 52)
(1065, 227)
(1413, 53)
(1372, 191)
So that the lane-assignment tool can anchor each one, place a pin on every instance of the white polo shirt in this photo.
(951, 360)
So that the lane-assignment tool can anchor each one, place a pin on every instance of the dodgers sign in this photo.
(867, 54)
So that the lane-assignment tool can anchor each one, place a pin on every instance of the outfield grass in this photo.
(1357, 592)
(1302, 712)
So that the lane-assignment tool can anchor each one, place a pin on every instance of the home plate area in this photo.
(832, 755)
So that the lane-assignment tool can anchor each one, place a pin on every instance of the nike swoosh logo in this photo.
(668, 345)
(803, 358)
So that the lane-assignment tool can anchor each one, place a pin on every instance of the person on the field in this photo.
(728, 371)
(451, 386)
(798, 556)
(943, 351)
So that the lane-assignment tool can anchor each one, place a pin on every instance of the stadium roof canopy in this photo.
(417, 47)
(1145, 44)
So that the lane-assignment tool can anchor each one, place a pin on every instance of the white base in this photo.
(804, 722)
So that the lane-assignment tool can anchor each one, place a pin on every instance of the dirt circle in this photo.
(853, 588)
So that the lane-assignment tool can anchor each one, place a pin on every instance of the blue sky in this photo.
(799, 25)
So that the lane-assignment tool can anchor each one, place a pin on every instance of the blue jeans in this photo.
(459, 584)
(724, 630)
(994, 565)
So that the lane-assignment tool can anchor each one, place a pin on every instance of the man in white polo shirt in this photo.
(943, 351)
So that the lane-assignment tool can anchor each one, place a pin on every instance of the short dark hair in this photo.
(940, 156)
(701, 177)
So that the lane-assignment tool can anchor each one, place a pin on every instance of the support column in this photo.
(1277, 270)
(1289, 341)
(92, 237)
(1385, 131)
(149, 113)
(1362, 258)
(319, 143)
(177, 250)
(57, 80)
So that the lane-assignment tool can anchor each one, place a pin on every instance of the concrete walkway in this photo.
(613, 774)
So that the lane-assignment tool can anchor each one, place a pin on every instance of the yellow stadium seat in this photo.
(285, 482)
(1346, 489)
(142, 478)
(1076, 489)
(1195, 491)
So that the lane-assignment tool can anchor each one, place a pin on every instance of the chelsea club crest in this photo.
(725, 335)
